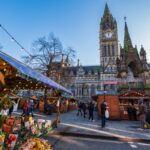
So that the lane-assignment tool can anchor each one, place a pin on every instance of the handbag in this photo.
(107, 113)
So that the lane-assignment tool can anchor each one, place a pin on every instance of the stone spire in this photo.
(106, 10)
(142, 52)
(108, 21)
(127, 39)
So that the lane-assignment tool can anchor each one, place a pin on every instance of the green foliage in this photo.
(2, 120)
(5, 102)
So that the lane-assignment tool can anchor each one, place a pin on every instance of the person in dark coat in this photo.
(103, 118)
(130, 112)
(84, 109)
(79, 109)
(134, 111)
(11, 109)
(91, 110)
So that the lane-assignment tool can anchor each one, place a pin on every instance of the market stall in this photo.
(72, 104)
(131, 99)
(118, 105)
(21, 131)
(112, 103)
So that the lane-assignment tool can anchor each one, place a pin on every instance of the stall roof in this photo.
(26, 70)
(134, 98)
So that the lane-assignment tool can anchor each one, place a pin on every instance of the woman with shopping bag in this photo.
(106, 113)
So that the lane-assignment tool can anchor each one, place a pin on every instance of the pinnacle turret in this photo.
(106, 10)
(127, 39)
(142, 51)
(108, 21)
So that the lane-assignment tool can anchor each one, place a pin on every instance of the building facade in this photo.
(123, 66)
(108, 42)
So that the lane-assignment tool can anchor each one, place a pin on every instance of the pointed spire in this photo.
(142, 51)
(127, 39)
(106, 10)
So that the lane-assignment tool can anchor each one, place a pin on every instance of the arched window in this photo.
(108, 50)
(85, 90)
(113, 50)
(93, 89)
(73, 89)
(104, 50)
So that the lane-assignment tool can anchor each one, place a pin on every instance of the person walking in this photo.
(25, 108)
(91, 110)
(31, 107)
(130, 112)
(142, 113)
(84, 109)
(103, 118)
(79, 109)
(11, 109)
(134, 112)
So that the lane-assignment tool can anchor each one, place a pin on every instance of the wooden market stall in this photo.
(16, 76)
(131, 98)
(72, 104)
(112, 102)
(118, 104)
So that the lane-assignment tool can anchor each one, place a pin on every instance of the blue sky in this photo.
(75, 22)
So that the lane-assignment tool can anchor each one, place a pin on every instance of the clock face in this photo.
(108, 34)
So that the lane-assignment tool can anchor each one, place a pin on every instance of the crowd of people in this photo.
(135, 112)
(132, 112)
(86, 110)
(28, 108)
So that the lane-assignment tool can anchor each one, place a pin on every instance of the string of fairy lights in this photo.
(14, 40)
(37, 84)
(29, 81)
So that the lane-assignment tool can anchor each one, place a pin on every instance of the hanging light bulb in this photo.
(22, 49)
(12, 39)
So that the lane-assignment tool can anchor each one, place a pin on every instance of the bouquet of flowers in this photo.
(2, 138)
(36, 144)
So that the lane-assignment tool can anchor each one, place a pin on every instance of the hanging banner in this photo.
(110, 83)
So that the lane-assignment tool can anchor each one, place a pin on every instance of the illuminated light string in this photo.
(14, 40)
(22, 48)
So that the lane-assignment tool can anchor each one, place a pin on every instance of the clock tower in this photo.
(108, 45)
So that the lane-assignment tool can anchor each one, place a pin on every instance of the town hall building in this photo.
(121, 68)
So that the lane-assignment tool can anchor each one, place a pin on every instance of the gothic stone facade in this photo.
(124, 65)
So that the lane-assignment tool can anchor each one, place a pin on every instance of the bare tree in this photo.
(47, 56)
(44, 52)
